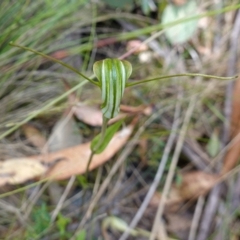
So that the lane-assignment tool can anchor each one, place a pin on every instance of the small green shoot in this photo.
(62, 223)
(83, 182)
(41, 219)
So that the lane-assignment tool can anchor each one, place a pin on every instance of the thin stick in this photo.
(214, 196)
(5, 206)
(62, 199)
(103, 132)
(28, 208)
(173, 165)
(196, 218)
(180, 75)
(158, 175)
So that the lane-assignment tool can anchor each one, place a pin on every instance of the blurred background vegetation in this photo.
(158, 38)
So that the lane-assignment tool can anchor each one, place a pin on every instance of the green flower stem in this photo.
(55, 60)
(130, 84)
(103, 132)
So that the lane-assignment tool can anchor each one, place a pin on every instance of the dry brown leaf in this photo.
(232, 156)
(63, 163)
(235, 119)
(173, 202)
(233, 153)
(196, 183)
(193, 185)
(34, 136)
(74, 160)
(147, 110)
(92, 116)
(88, 114)
(15, 171)
(137, 46)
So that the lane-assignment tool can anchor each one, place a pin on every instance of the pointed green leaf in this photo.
(55, 60)
(112, 75)
(108, 136)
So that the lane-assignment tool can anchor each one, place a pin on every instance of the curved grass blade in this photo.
(130, 84)
(56, 61)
